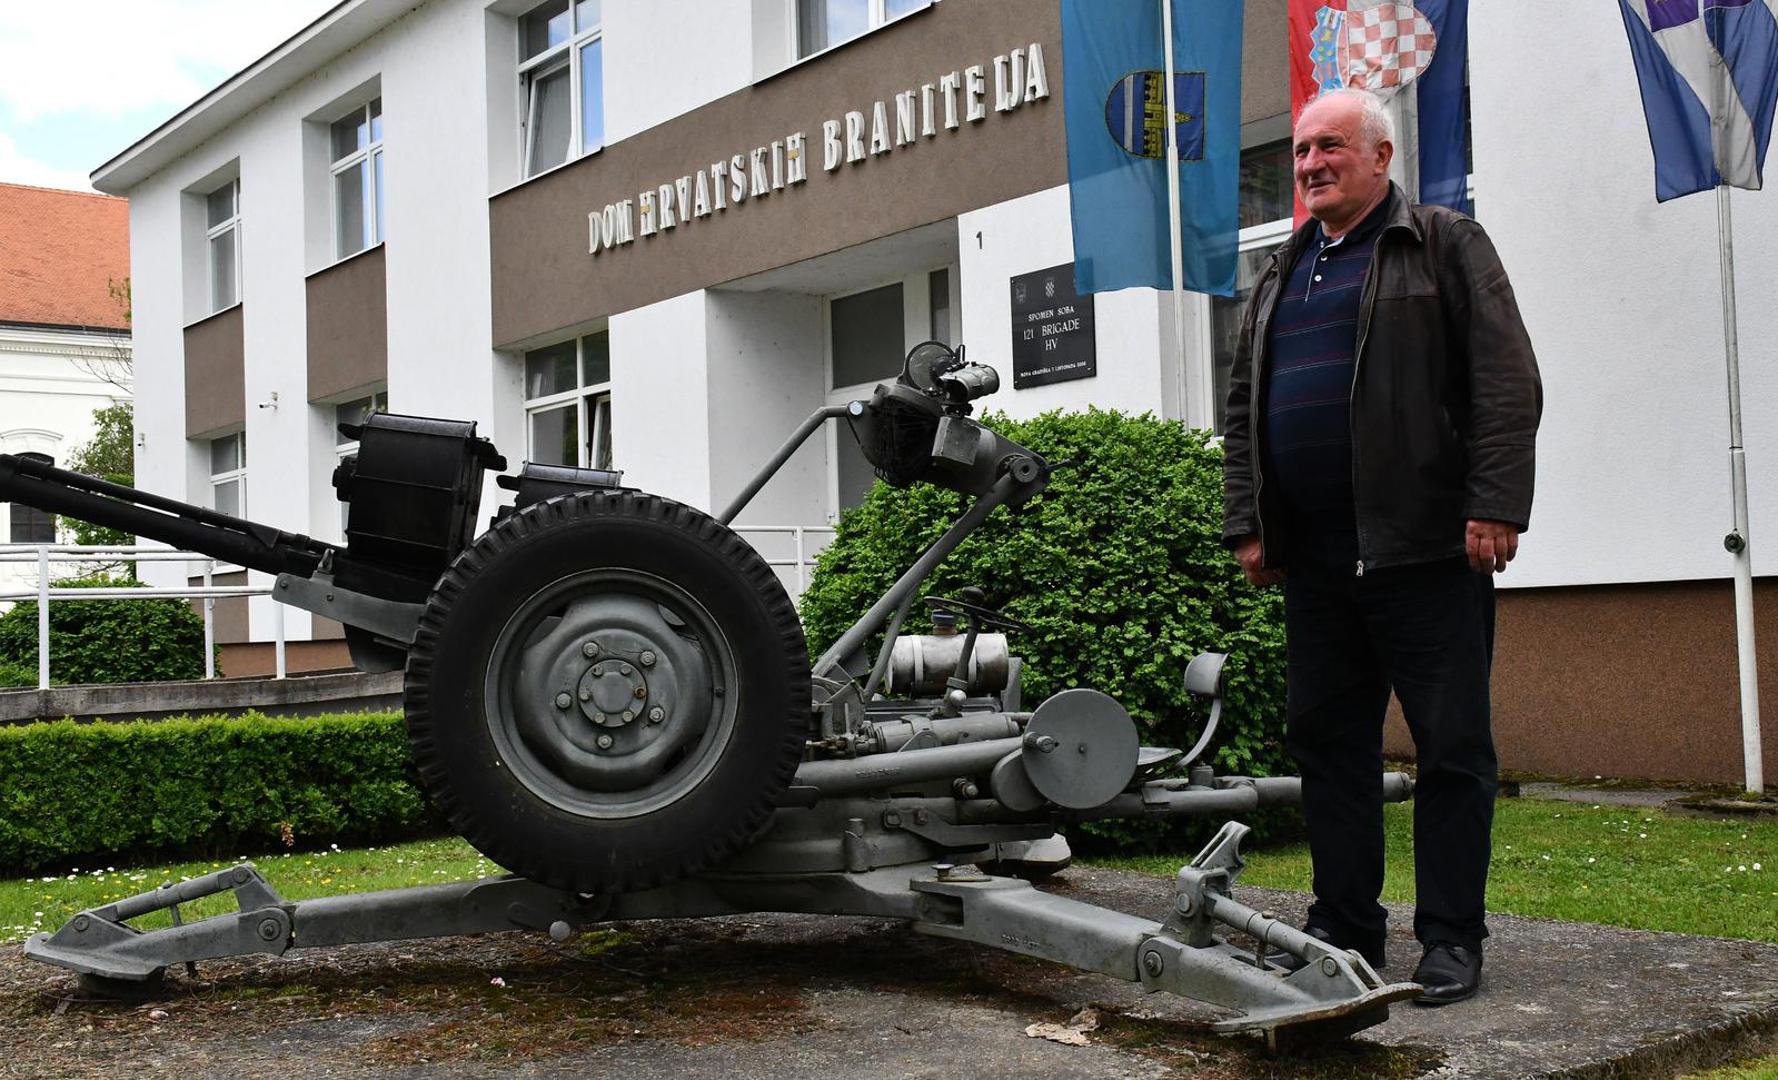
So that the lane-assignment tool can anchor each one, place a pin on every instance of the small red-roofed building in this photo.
(64, 330)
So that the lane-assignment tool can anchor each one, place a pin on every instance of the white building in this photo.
(64, 334)
(407, 204)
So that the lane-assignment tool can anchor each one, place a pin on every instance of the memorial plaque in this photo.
(1052, 329)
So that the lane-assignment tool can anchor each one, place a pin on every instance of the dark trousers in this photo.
(1426, 631)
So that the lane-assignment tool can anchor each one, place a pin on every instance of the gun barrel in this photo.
(26, 479)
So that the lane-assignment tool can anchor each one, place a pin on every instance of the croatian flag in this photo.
(1709, 75)
(1412, 55)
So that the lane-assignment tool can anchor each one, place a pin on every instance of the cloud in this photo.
(109, 57)
(17, 168)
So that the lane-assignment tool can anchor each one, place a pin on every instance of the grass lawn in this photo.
(1604, 864)
(46, 902)
(1763, 1069)
(1558, 860)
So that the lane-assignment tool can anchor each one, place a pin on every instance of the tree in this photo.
(109, 455)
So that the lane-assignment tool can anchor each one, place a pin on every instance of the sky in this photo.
(81, 82)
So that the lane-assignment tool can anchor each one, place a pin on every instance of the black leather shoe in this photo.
(1449, 973)
(1287, 961)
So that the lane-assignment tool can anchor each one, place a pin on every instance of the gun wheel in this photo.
(608, 691)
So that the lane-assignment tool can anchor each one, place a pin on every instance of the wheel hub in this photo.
(613, 691)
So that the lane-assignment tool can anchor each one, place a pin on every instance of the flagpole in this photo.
(1191, 409)
(1739, 542)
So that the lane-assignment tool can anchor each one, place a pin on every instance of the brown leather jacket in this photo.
(1445, 395)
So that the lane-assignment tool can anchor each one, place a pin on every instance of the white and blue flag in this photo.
(1709, 75)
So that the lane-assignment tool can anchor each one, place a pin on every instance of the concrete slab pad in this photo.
(814, 998)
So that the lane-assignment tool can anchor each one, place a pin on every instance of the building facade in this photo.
(656, 236)
(64, 335)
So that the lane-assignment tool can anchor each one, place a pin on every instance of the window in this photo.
(568, 403)
(357, 151)
(822, 24)
(30, 525)
(1267, 190)
(562, 76)
(1267, 200)
(344, 449)
(869, 335)
(228, 474)
(222, 209)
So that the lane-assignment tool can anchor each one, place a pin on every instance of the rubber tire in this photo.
(458, 761)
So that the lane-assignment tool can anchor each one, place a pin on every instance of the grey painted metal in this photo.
(880, 670)
(840, 776)
(1230, 795)
(770, 469)
(390, 619)
(921, 663)
(586, 635)
(917, 731)
(1203, 678)
(1080, 748)
(1012, 786)
(866, 856)
(1008, 487)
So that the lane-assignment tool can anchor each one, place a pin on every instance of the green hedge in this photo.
(1118, 568)
(104, 641)
(207, 786)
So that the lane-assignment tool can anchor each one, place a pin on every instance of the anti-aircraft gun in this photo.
(608, 693)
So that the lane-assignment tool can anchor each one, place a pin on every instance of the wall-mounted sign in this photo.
(951, 101)
(1052, 329)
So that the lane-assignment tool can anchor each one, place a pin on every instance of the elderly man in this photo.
(1379, 447)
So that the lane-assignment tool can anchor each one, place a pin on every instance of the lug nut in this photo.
(625, 669)
(564, 700)
(586, 695)
(628, 716)
(647, 657)
(656, 715)
(604, 742)
(641, 691)
(590, 649)
(598, 669)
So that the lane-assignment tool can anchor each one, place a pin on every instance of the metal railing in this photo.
(800, 535)
(807, 541)
(44, 555)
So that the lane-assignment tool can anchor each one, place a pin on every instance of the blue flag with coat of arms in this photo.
(1115, 107)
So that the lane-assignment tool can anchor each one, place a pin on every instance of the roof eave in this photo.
(338, 29)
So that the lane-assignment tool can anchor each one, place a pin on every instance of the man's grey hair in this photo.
(1375, 125)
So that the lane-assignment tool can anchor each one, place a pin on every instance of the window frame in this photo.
(916, 312)
(214, 232)
(592, 403)
(370, 192)
(532, 71)
(236, 475)
(876, 17)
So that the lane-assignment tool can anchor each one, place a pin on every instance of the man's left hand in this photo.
(1490, 545)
